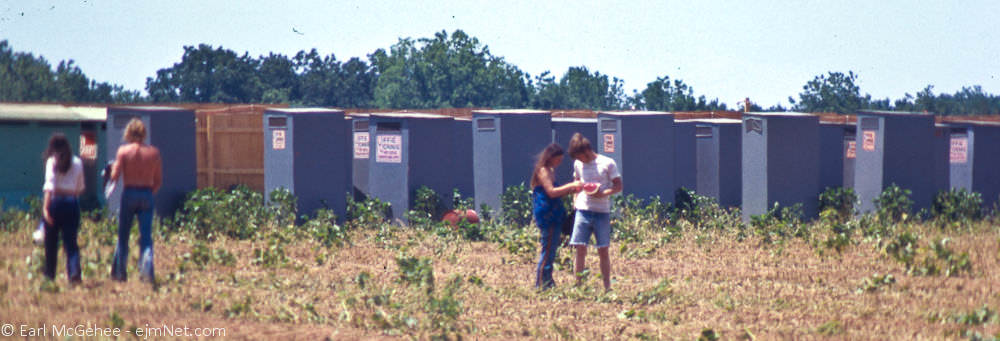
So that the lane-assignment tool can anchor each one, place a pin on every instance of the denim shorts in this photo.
(590, 222)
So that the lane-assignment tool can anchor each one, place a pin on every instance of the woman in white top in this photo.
(61, 209)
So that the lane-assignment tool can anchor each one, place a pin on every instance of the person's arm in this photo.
(545, 178)
(116, 167)
(616, 186)
(80, 183)
(48, 188)
(45, 208)
(157, 172)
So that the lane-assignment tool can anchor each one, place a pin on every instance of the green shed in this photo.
(24, 133)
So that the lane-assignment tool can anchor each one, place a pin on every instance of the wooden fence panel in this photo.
(230, 147)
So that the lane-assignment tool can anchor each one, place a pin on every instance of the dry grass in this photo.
(703, 280)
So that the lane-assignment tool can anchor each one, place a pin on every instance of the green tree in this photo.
(578, 89)
(324, 81)
(835, 92)
(26, 78)
(666, 95)
(446, 71)
(207, 75)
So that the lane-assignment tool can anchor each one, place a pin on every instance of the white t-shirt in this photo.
(601, 170)
(71, 181)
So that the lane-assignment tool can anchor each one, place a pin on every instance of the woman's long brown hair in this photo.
(59, 148)
(542, 160)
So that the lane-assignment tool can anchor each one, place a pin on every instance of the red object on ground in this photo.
(454, 216)
(591, 187)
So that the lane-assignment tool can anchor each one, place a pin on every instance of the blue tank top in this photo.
(549, 212)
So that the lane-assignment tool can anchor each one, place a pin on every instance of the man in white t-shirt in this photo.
(601, 180)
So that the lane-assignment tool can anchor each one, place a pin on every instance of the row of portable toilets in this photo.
(753, 163)
(323, 155)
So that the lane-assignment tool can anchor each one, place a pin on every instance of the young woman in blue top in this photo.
(548, 209)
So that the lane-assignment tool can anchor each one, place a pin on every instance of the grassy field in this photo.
(671, 280)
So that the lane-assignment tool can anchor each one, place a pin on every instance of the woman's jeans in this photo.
(550, 244)
(135, 202)
(65, 212)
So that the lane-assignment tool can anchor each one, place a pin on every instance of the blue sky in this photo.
(765, 50)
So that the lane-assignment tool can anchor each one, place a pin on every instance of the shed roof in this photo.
(38, 112)
(511, 111)
(634, 113)
(305, 110)
(408, 115)
(714, 121)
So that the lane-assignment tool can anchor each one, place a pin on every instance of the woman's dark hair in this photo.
(543, 159)
(59, 148)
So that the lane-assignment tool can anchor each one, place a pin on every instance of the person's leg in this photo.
(146, 237)
(581, 260)
(70, 230)
(602, 232)
(119, 267)
(582, 230)
(51, 246)
(605, 267)
(548, 238)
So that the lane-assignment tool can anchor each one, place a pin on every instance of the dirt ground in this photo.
(703, 284)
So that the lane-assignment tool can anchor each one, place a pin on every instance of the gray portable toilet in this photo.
(563, 129)
(836, 164)
(172, 131)
(685, 154)
(896, 148)
(975, 169)
(642, 144)
(411, 150)
(942, 165)
(780, 162)
(719, 158)
(306, 152)
(505, 143)
(362, 155)
(462, 170)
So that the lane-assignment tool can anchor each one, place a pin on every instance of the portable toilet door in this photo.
(833, 157)
(685, 158)
(411, 151)
(361, 155)
(975, 169)
(562, 131)
(850, 152)
(642, 144)
(780, 162)
(896, 148)
(172, 131)
(306, 152)
(504, 144)
(718, 160)
(463, 170)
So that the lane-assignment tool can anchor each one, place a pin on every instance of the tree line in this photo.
(443, 71)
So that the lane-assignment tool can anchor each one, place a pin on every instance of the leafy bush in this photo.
(324, 228)
(370, 212)
(957, 205)
(636, 218)
(704, 212)
(239, 213)
(840, 200)
(875, 283)
(515, 205)
(416, 271)
(779, 223)
(894, 204)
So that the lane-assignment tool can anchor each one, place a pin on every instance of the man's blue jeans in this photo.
(135, 202)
